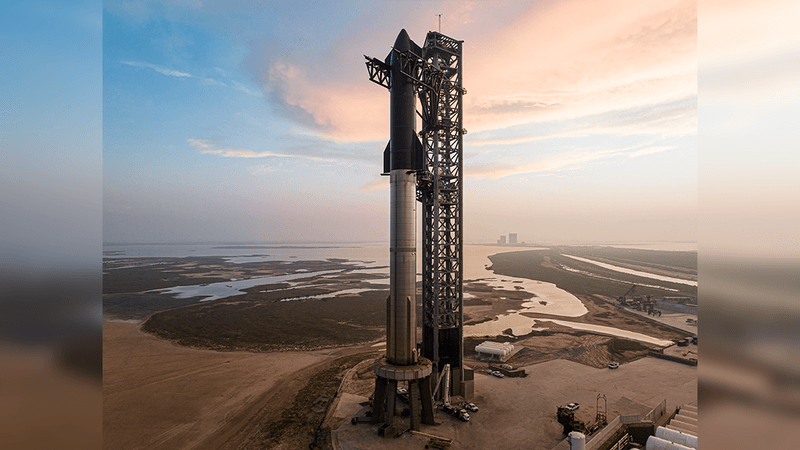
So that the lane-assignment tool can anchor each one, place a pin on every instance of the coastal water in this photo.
(373, 258)
(633, 272)
(241, 253)
(370, 258)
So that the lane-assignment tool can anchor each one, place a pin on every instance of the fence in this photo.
(622, 443)
(603, 435)
(633, 418)
(656, 412)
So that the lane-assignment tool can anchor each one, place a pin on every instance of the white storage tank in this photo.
(672, 426)
(654, 443)
(687, 419)
(676, 437)
(577, 441)
(684, 426)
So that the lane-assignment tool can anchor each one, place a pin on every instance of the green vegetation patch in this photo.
(549, 266)
(244, 323)
(654, 258)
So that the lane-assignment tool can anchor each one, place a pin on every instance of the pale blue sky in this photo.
(242, 121)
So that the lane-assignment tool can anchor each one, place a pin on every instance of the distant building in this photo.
(502, 240)
(494, 350)
(512, 238)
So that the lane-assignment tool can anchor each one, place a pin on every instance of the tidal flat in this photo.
(249, 350)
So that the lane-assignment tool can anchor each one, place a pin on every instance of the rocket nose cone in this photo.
(403, 42)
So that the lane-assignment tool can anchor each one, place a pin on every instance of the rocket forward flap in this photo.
(387, 159)
(416, 49)
(419, 155)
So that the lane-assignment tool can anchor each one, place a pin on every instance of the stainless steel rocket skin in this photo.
(401, 315)
(401, 341)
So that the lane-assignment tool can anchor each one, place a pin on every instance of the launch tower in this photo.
(431, 172)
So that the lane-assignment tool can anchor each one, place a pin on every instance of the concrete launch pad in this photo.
(521, 412)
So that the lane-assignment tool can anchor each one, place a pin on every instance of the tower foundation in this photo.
(387, 401)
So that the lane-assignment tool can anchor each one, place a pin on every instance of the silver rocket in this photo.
(402, 158)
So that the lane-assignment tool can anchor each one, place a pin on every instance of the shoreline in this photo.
(161, 394)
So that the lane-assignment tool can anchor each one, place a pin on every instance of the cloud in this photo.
(159, 69)
(203, 80)
(552, 62)
(378, 184)
(211, 82)
(240, 87)
(572, 160)
(649, 151)
(206, 147)
(263, 169)
(670, 120)
(199, 144)
(342, 112)
(239, 153)
(568, 60)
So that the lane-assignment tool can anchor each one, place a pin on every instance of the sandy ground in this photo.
(521, 412)
(47, 407)
(690, 351)
(157, 395)
(160, 395)
(677, 320)
(603, 313)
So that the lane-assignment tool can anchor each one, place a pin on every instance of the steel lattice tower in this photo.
(440, 190)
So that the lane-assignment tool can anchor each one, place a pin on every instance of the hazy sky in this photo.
(250, 121)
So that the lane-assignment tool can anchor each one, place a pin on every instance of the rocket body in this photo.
(404, 146)
(401, 315)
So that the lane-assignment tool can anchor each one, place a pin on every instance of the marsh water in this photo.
(373, 259)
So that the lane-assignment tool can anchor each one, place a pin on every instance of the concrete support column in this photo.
(391, 387)
(378, 412)
(415, 406)
(426, 396)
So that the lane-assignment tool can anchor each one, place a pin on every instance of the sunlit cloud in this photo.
(600, 93)
(204, 81)
(240, 87)
(378, 184)
(572, 160)
(263, 169)
(199, 144)
(159, 69)
(627, 55)
(239, 153)
(342, 112)
(672, 120)
(206, 147)
(649, 151)
(533, 69)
